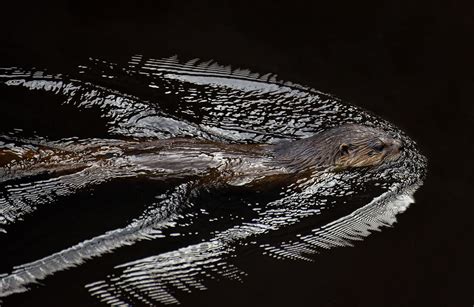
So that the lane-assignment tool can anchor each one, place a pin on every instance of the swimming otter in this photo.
(339, 148)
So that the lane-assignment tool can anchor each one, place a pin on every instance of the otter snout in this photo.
(397, 145)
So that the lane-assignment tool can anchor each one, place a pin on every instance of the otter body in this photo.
(337, 148)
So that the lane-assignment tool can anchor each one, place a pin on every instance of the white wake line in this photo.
(76, 255)
(390, 200)
(164, 266)
(142, 229)
(32, 272)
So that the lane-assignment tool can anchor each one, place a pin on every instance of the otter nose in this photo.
(398, 145)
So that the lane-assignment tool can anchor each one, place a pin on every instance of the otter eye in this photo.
(379, 147)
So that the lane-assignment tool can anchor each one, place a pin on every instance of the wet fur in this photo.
(342, 147)
(338, 148)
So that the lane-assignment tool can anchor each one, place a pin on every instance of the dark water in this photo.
(392, 65)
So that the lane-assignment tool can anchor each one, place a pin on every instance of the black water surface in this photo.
(408, 62)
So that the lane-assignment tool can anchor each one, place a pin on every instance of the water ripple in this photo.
(168, 120)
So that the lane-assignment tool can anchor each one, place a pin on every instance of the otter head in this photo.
(361, 146)
(342, 147)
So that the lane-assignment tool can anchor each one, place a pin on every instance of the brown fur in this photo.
(343, 147)
(340, 148)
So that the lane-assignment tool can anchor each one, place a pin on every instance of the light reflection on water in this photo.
(143, 101)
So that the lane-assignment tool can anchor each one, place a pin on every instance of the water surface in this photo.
(134, 236)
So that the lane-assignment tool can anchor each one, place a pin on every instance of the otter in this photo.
(335, 149)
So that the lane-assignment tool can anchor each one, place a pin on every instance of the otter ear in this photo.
(344, 149)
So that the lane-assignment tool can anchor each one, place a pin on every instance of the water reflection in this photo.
(146, 105)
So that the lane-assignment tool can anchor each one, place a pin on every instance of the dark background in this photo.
(410, 62)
